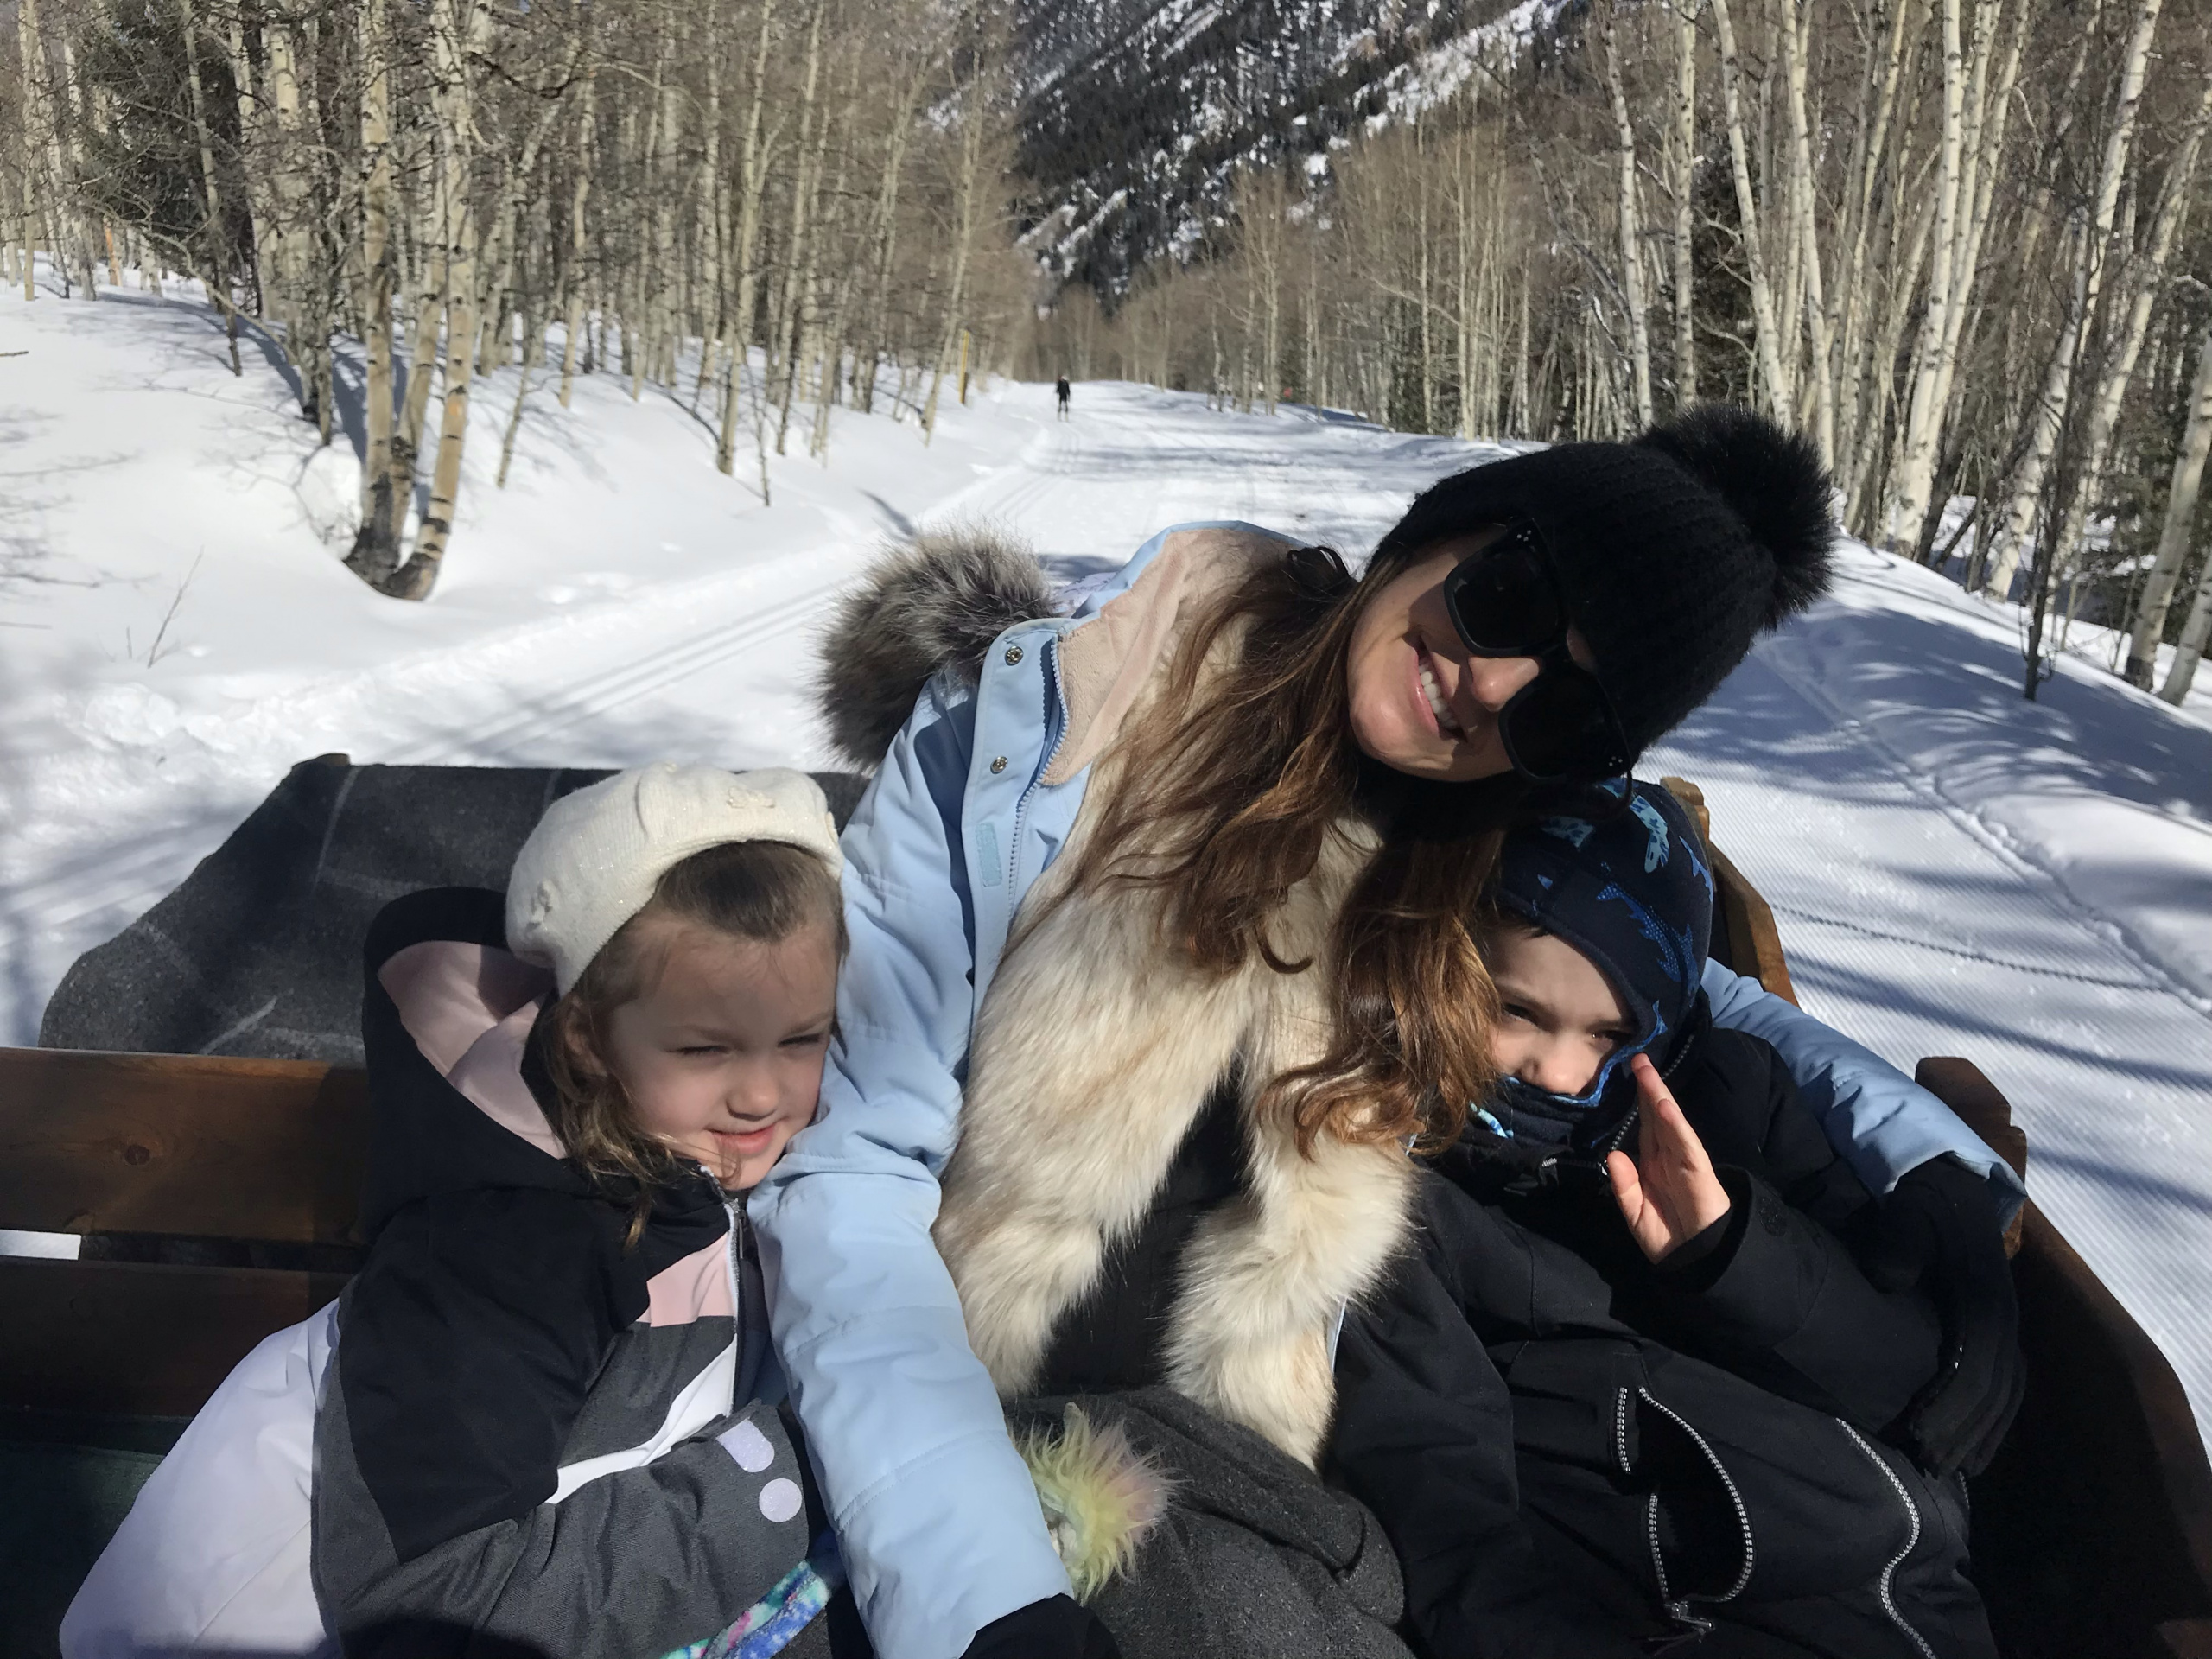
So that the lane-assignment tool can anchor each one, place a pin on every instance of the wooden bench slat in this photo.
(132, 1340)
(189, 1145)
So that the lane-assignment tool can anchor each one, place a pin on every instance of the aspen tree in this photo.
(1774, 388)
(376, 544)
(1683, 152)
(1803, 194)
(967, 186)
(2194, 635)
(2150, 621)
(1631, 233)
(215, 262)
(579, 196)
(458, 27)
(2139, 287)
(2092, 235)
(751, 183)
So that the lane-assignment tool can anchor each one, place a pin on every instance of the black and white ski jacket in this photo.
(534, 1438)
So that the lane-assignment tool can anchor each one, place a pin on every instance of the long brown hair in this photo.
(764, 890)
(1244, 784)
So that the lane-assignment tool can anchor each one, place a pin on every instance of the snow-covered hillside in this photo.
(1955, 871)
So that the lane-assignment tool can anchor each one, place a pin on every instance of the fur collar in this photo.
(1093, 1053)
(936, 605)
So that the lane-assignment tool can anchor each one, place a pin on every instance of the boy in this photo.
(1643, 1387)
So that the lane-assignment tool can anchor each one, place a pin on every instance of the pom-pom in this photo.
(1101, 1497)
(1774, 482)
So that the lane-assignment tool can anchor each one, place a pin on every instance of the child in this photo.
(542, 1430)
(1641, 1390)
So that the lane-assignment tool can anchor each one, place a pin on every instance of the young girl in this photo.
(542, 1429)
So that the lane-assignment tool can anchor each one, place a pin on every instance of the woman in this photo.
(1156, 915)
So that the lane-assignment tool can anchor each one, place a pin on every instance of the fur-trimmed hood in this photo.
(935, 605)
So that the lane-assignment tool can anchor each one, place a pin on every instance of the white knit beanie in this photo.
(592, 862)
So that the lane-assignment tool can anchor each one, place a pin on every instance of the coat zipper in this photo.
(1678, 1608)
(1021, 806)
(1882, 1585)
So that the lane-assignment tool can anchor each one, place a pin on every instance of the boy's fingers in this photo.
(1628, 1185)
(1675, 1137)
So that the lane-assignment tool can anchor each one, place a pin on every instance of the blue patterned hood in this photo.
(1628, 883)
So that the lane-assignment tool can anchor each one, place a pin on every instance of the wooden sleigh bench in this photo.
(214, 1200)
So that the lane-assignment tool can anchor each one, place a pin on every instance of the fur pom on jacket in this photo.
(935, 605)
(1096, 1047)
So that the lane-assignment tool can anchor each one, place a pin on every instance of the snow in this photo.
(1954, 870)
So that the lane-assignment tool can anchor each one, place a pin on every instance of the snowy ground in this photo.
(1955, 871)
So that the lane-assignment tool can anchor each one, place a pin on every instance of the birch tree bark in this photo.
(1684, 154)
(1775, 389)
(752, 176)
(2173, 537)
(376, 544)
(1915, 464)
(2194, 634)
(457, 33)
(1804, 197)
(2091, 242)
(1631, 233)
(579, 196)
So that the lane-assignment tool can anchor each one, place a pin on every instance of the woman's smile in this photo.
(1429, 696)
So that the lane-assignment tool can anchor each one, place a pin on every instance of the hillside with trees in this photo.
(1964, 244)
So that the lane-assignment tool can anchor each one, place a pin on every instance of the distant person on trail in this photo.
(1160, 959)
(1652, 1309)
(548, 1421)
(1060, 390)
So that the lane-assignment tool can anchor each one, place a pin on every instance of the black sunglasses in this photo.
(1505, 602)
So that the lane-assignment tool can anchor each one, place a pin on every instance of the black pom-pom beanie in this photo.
(1674, 551)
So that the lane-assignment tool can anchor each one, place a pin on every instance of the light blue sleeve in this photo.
(937, 1515)
(1880, 1121)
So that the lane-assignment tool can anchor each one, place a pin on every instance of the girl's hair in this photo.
(764, 890)
(1243, 786)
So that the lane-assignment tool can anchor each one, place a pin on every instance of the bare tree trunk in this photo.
(376, 545)
(587, 152)
(216, 260)
(457, 32)
(752, 176)
(1775, 388)
(2173, 537)
(2194, 634)
(1923, 419)
(1683, 153)
(965, 191)
(1631, 231)
(2090, 243)
(1804, 197)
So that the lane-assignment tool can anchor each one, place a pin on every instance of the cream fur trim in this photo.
(1093, 1054)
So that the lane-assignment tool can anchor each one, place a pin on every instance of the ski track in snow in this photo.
(1954, 872)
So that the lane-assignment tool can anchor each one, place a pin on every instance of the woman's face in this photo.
(1420, 702)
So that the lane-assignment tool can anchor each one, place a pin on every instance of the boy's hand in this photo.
(1667, 1192)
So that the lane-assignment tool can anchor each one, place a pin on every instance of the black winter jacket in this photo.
(535, 1438)
(1576, 1452)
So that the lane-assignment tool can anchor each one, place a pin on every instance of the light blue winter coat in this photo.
(937, 1516)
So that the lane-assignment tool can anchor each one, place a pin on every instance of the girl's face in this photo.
(1422, 703)
(723, 1058)
(1559, 1017)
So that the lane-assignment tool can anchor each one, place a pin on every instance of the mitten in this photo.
(1938, 1232)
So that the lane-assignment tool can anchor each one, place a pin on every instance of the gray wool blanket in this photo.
(1255, 1559)
(259, 951)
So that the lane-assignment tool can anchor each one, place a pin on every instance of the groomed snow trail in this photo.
(1954, 871)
